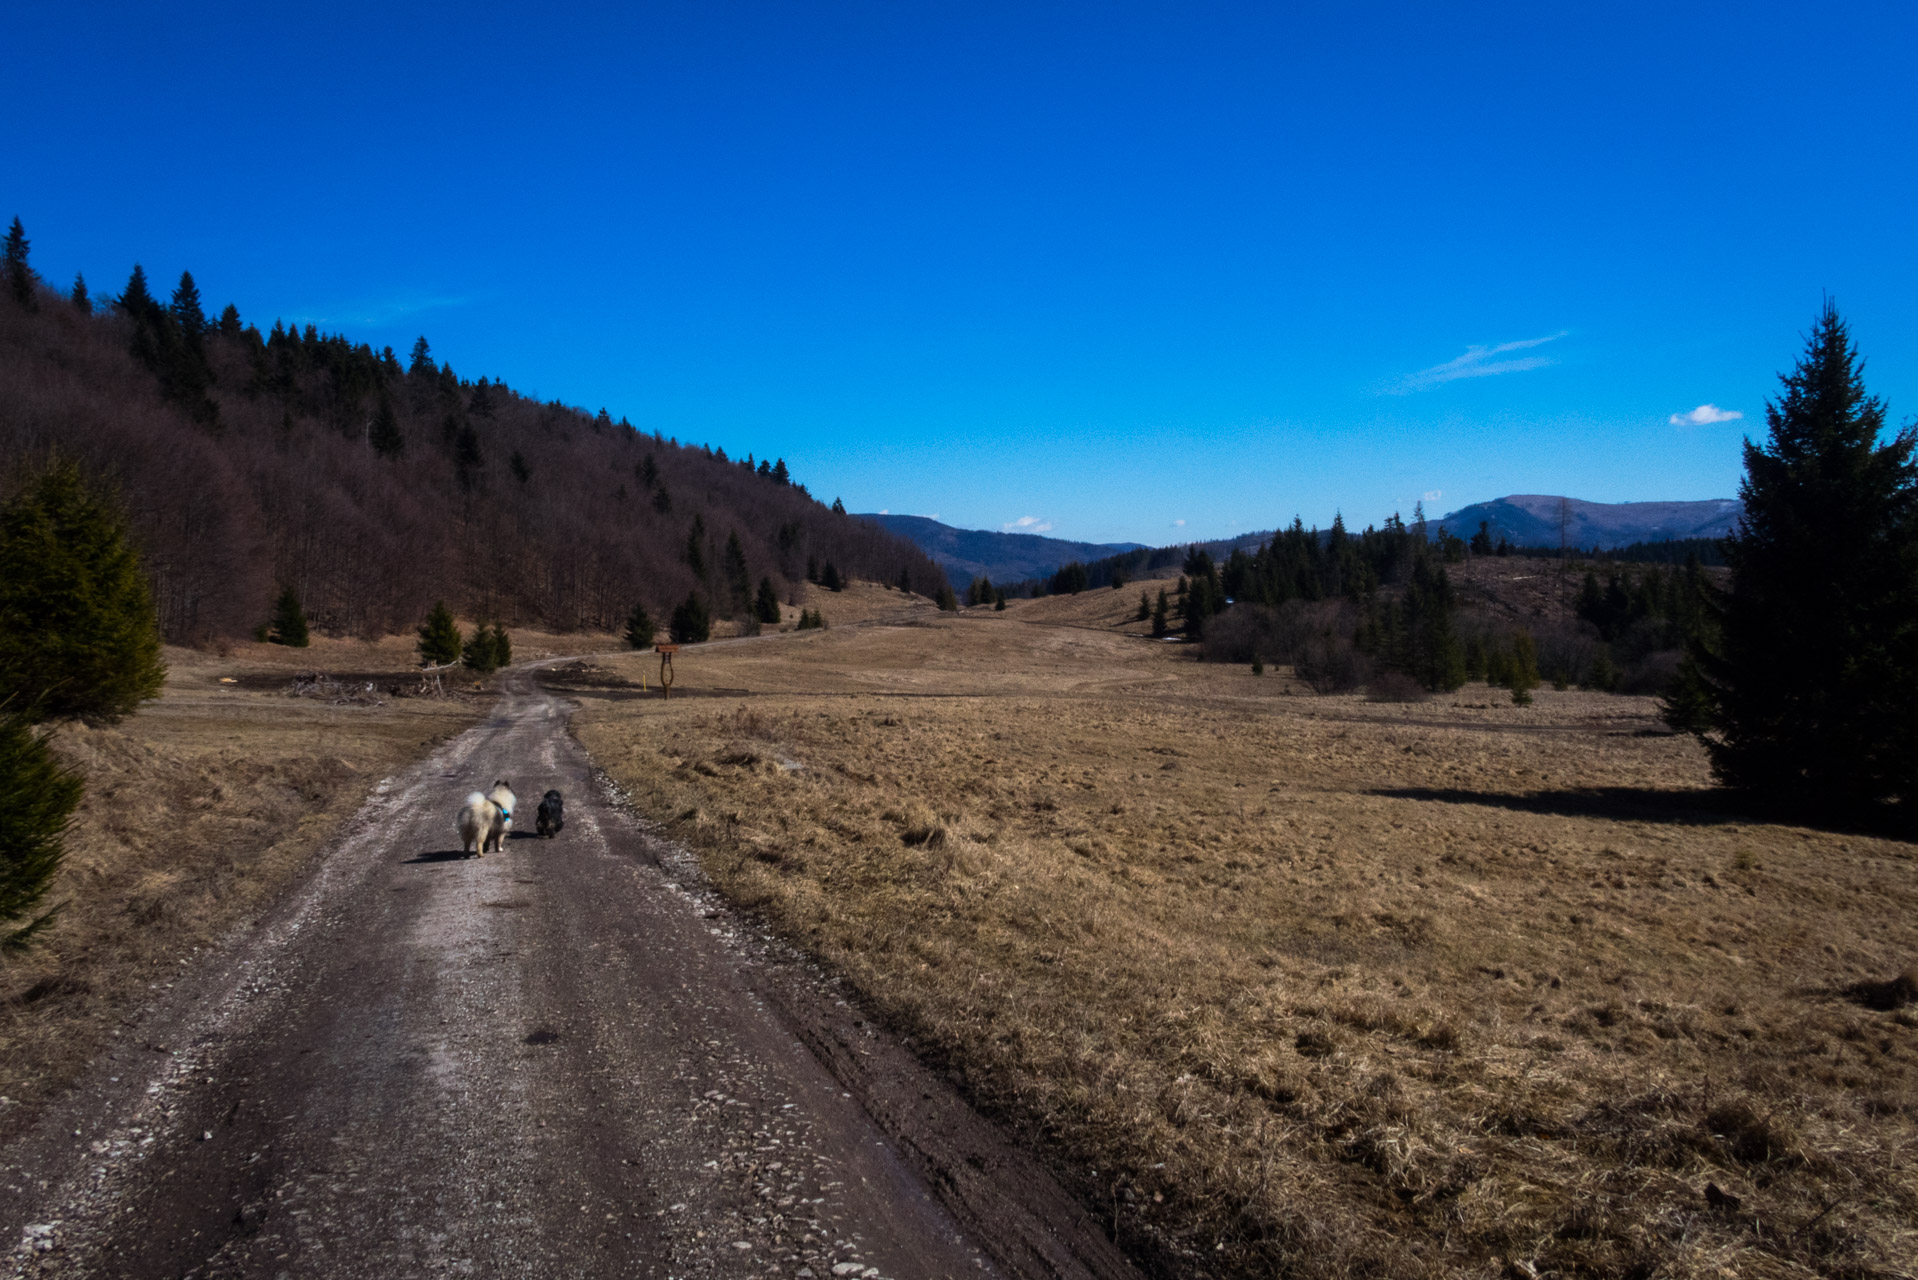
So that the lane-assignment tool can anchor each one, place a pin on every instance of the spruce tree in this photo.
(639, 628)
(439, 638)
(733, 570)
(1803, 682)
(696, 548)
(502, 647)
(1521, 668)
(1145, 607)
(947, 599)
(18, 274)
(838, 507)
(136, 300)
(766, 607)
(384, 435)
(478, 653)
(1160, 625)
(692, 623)
(81, 300)
(37, 799)
(829, 578)
(421, 365)
(187, 311)
(289, 621)
(78, 632)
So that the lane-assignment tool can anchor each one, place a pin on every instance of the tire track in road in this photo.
(555, 1060)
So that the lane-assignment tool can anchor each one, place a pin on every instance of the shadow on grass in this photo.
(1649, 804)
(456, 855)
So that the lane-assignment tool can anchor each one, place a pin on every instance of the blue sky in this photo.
(1103, 268)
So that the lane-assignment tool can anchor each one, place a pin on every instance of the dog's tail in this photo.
(478, 797)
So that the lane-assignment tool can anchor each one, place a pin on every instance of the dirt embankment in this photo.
(198, 810)
(1316, 986)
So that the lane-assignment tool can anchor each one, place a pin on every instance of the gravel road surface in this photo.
(565, 1059)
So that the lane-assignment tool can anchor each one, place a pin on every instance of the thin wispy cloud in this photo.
(1478, 362)
(1178, 524)
(1705, 415)
(1433, 495)
(1027, 524)
(378, 313)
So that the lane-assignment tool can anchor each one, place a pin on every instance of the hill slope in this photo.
(297, 458)
(1532, 520)
(1003, 557)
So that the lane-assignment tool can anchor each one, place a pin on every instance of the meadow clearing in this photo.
(1288, 984)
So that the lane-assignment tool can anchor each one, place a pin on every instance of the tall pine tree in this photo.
(19, 275)
(1803, 685)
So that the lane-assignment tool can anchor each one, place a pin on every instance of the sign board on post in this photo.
(666, 652)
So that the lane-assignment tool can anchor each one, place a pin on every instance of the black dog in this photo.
(552, 814)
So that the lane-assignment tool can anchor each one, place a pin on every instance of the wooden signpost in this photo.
(666, 652)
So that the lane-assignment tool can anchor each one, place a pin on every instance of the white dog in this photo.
(486, 819)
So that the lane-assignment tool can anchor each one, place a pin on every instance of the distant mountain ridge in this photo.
(1003, 557)
(1532, 520)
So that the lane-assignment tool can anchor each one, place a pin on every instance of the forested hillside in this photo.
(372, 486)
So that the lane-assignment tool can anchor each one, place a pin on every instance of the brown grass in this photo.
(1322, 986)
(199, 809)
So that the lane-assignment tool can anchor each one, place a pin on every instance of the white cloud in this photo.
(1027, 524)
(884, 511)
(1477, 362)
(1178, 524)
(1705, 415)
(1431, 495)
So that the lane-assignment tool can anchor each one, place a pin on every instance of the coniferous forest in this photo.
(255, 460)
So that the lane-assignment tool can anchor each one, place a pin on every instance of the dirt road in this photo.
(565, 1059)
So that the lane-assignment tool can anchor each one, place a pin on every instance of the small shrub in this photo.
(1748, 1136)
(1330, 664)
(1893, 993)
(1395, 686)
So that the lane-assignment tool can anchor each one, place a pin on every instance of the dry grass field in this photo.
(198, 810)
(1315, 986)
